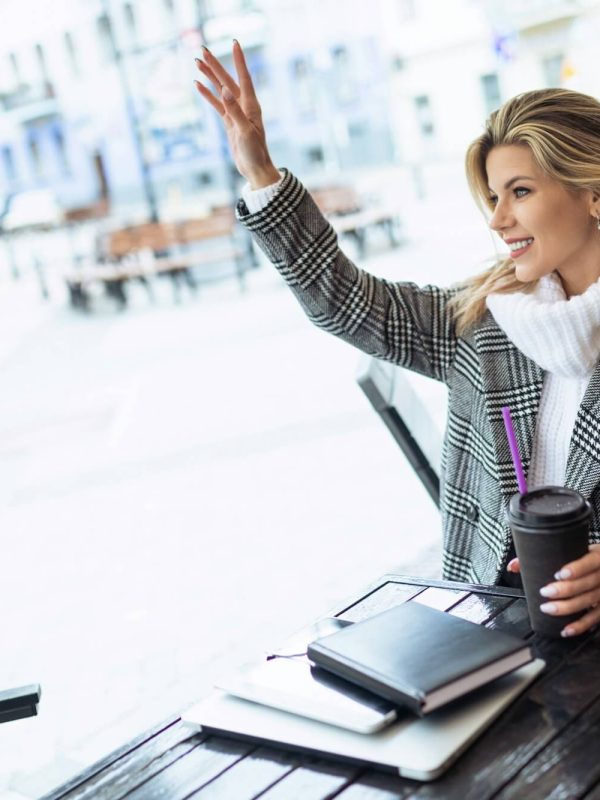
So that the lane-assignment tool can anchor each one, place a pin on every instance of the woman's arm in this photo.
(399, 322)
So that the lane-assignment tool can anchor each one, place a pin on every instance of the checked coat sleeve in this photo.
(399, 322)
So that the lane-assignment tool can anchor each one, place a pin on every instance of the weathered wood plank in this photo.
(377, 786)
(480, 588)
(441, 599)
(567, 768)
(312, 781)
(594, 794)
(523, 731)
(194, 770)
(382, 598)
(513, 619)
(249, 777)
(130, 765)
(480, 608)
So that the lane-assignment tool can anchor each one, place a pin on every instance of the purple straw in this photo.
(514, 449)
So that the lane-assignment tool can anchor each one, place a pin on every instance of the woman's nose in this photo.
(501, 218)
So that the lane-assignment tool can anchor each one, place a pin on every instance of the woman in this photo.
(525, 333)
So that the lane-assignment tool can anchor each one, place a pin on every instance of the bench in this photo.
(350, 217)
(145, 251)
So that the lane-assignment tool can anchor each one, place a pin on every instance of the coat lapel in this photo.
(583, 463)
(509, 379)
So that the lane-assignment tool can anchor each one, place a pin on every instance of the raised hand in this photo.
(239, 108)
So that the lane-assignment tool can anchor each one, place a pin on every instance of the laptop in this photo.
(421, 748)
(278, 702)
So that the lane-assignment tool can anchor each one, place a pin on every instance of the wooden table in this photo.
(546, 745)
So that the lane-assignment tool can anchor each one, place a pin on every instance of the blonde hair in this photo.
(562, 129)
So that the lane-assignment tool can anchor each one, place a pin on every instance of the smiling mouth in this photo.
(518, 248)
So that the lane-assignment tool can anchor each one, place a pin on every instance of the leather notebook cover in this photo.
(417, 656)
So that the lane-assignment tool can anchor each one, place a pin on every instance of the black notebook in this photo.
(418, 657)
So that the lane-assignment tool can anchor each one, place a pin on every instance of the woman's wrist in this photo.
(264, 177)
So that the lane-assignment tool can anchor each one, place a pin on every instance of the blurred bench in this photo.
(145, 251)
(350, 217)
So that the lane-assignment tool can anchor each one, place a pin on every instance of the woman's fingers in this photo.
(566, 589)
(207, 71)
(208, 95)
(221, 75)
(243, 73)
(583, 624)
(583, 566)
(572, 605)
(233, 109)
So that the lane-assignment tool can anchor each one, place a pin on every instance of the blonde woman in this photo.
(526, 333)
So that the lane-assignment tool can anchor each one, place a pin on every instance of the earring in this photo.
(598, 221)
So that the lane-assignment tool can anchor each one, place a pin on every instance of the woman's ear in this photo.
(594, 205)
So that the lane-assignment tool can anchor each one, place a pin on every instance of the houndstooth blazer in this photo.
(413, 327)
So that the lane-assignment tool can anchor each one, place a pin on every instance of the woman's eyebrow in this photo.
(509, 183)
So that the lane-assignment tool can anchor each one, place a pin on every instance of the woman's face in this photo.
(545, 226)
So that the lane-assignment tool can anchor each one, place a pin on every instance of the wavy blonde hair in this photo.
(562, 129)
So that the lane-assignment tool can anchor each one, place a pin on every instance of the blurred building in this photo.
(457, 60)
(97, 96)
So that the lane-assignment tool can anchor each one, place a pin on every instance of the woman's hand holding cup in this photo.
(577, 588)
(239, 108)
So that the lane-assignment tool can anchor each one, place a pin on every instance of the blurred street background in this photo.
(189, 471)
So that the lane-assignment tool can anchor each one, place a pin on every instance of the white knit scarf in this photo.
(562, 336)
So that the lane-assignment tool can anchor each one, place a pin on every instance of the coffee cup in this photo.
(550, 528)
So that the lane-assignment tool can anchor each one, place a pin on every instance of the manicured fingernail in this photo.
(226, 93)
(566, 632)
(548, 591)
(563, 574)
(548, 608)
(235, 41)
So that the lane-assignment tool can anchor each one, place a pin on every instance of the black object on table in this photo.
(19, 703)
(547, 739)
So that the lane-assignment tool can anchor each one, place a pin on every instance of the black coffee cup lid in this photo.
(556, 505)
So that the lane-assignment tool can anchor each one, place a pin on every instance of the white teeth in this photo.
(518, 245)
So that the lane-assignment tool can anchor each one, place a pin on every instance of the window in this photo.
(492, 99)
(34, 152)
(552, 68)
(61, 151)
(301, 76)
(344, 85)
(315, 155)
(105, 38)
(71, 51)
(41, 60)
(130, 20)
(204, 178)
(8, 163)
(424, 115)
(14, 68)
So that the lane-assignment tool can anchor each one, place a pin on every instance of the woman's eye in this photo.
(493, 199)
(521, 189)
